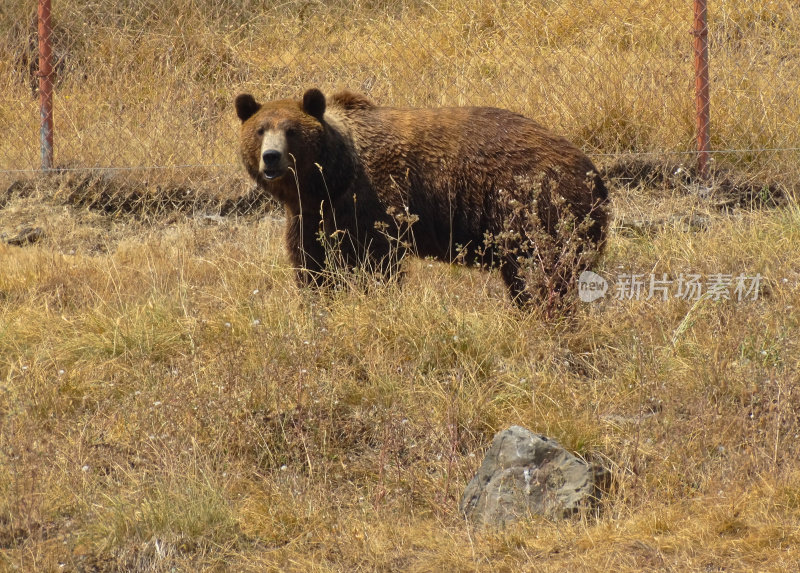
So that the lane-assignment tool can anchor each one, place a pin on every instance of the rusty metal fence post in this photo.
(702, 100)
(46, 84)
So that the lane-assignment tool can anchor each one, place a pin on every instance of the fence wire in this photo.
(144, 88)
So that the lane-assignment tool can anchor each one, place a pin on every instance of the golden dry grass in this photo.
(147, 83)
(169, 401)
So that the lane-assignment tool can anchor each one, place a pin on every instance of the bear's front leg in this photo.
(305, 250)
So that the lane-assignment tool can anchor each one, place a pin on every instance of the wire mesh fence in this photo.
(143, 111)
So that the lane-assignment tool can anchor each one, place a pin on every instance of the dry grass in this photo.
(169, 401)
(147, 83)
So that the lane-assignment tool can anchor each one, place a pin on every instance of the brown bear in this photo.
(363, 185)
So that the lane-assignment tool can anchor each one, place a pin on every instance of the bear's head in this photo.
(281, 136)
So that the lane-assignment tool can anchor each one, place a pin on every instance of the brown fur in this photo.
(437, 182)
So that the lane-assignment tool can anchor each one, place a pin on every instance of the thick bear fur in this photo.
(364, 184)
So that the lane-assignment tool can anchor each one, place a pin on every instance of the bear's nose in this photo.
(271, 157)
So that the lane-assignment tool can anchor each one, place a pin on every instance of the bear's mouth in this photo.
(272, 174)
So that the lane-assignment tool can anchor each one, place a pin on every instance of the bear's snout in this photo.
(272, 165)
(273, 155)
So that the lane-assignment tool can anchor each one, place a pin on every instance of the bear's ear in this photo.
(246, 106)
(314, 103)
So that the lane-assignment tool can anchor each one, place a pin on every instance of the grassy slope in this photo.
(175, 402)
(169, 400)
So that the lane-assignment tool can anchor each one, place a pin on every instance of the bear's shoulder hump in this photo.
(351, 100)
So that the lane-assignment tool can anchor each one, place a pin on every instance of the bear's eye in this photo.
(260, 131)
(291, 131)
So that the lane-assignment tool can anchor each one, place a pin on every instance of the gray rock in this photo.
(526, 474)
